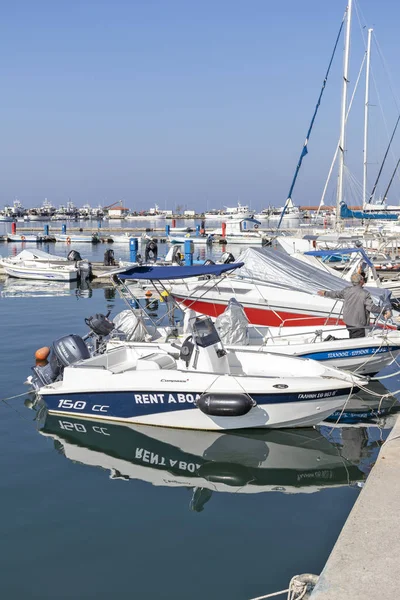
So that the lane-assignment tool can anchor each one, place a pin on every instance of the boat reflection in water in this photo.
(37, 288)
(289, 461)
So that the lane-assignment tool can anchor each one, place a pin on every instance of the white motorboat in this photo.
(198, 240)
(207, 388)
(41, 265)
(24, 238)
(275, 289)
(31, 269)
(235, 212)
(251, 462)
(241, 231)
(72, 238)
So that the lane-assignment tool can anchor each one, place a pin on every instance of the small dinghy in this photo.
(206, 388)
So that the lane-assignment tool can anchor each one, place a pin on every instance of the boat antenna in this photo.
(384, 160)
(304, 150)
(366, 111)
(346, 57)
(390, 182)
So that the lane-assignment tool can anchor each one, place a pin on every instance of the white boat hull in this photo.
(74, 239)
(38, 273)
(22, 238)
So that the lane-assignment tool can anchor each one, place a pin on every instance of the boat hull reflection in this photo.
(290, 461)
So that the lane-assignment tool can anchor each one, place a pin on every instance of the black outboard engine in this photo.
(227, 258)
(74, 255)
(109, 260)
(100, 324)
(65, 352)
(151, 251)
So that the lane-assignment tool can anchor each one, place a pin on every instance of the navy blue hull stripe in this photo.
(358, 352)
(129, 404)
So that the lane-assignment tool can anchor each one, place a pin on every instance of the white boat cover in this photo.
(281, 270)
(36, 255)
(232, 325)
(130, 323)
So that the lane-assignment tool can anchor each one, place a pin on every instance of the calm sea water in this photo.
(109, 511)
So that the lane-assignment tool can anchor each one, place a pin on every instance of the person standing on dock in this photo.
(357, 306)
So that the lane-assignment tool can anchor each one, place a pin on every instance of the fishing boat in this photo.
(251, 462)
(207, 387)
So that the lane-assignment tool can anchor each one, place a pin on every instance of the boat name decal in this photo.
(359, 352)
(317, 395)
(166, 398)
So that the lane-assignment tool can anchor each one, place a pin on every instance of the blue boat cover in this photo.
(165, 273)
(339, 251)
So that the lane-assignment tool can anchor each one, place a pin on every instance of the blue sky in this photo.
(179, 101)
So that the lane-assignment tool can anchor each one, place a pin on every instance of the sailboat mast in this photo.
(339, 196)
(366, 110)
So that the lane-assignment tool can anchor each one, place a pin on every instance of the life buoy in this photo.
(23, 238)
(255, 226)
(68, 240)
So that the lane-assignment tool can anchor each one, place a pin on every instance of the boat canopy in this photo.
(346, 213)
(339, 251)
(281, 270)
(166, 273)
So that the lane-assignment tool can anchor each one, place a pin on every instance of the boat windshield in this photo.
(204, 332)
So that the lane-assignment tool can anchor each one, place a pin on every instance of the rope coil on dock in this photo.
(300, 588)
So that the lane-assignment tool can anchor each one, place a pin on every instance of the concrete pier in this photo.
(365, 561)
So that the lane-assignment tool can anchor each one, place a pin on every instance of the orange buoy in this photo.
(148, 293)
(42, 353)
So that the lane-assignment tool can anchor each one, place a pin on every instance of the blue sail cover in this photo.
(167, 273)
(346, 213)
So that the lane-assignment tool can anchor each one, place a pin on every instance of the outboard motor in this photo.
(109, 260)
(65, 352)
(151, 251)
(74, 255)
(85, 270)
(100, 324)
(227, 258)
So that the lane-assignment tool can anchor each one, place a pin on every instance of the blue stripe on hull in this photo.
(358, 352)
(129, 404)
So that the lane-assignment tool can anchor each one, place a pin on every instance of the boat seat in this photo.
(155, 361)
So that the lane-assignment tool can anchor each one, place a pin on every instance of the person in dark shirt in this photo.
(357, 306)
